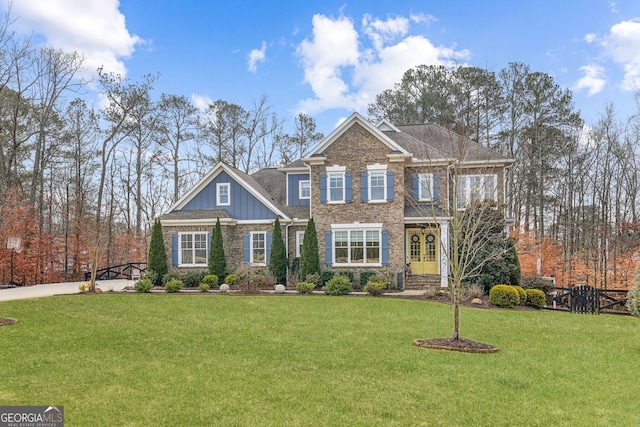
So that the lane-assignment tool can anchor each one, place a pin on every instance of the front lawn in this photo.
(205, 360)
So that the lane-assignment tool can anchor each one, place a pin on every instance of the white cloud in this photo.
(593, 79)
(94, 28)
(590, 38)
(422, 18)
(201, 102)
(344, 73)
(622, 45)
(256, 56)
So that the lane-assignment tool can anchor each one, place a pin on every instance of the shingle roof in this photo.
(433, 142)
(274, 182)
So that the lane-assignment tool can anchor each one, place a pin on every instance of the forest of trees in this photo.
(81, 185)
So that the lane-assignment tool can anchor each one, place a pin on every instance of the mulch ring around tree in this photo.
(460, 344)
(7, 321)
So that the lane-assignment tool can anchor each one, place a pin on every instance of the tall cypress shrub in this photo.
(157, 259)
(309, 258)
(278, 255)
(217, 260)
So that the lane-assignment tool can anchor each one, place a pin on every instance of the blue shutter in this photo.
(348, 192)
(364, 186)
(385, 247)
(175, 247)
(208, 246)
(268, 247)
(415, 183)
(323, 188)
(328, 248)
(247, 247)
(390, 186)
(436, 187)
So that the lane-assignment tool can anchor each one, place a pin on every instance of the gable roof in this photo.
(244, 180)
(345, 125)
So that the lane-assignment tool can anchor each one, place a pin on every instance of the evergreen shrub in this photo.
(173, 285)
(305, 287)
(535, 298)
(504, 296)
(339, 285)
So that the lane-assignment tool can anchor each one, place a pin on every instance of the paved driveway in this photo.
(38, 291)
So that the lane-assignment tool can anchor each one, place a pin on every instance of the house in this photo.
(379, 195)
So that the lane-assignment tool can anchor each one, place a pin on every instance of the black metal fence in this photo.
(129, 271)
(586, 299)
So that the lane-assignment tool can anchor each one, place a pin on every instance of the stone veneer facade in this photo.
(355, 149)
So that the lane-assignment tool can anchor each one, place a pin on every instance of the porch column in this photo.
(444, 249)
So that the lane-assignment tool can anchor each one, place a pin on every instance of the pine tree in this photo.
(278, 255)
(309, 258)
(217, 260)
(157, 260)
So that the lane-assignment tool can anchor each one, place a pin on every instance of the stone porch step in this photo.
(422, 282)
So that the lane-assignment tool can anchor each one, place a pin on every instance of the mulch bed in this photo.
(460, 344)
(7, 321)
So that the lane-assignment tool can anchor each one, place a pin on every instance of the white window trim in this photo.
(192, 233)
(304, 181)
(299, 239)
(344, 185)
(251, 261)
(467, 187)
(421, 196)
(220, 185)
(356, 227)
(384, 187)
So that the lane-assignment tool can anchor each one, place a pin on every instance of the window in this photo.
(299, 240)
(193, 249)
(305, 189)
(377, 188)
(357, 246)
(223, 194)
(476, 188)
(336, 187)
(258, 248)
(425, 186)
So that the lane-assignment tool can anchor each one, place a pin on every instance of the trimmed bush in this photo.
(504, 296)
(305, 287)
(309, 258)
(278, 256)
(204, 287)
(143, 285)
(232, 279)
(522, 294)
(313, 278)
(375, 286)
(347, 274)
(365, 276)
(217, 261)
(193, 278)
(171, 275)
(338, 286)
(211, 280)
(325, 276)
(173, 285)
(153, 276)
(535, 298)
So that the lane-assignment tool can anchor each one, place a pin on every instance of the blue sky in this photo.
(331, 58)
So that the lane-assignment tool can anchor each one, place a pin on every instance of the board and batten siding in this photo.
(244, 205)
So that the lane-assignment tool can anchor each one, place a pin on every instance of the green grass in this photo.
(204, 360)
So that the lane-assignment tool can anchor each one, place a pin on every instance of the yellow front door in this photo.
(422, 250)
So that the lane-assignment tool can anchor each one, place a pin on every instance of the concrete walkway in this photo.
(38, 291)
